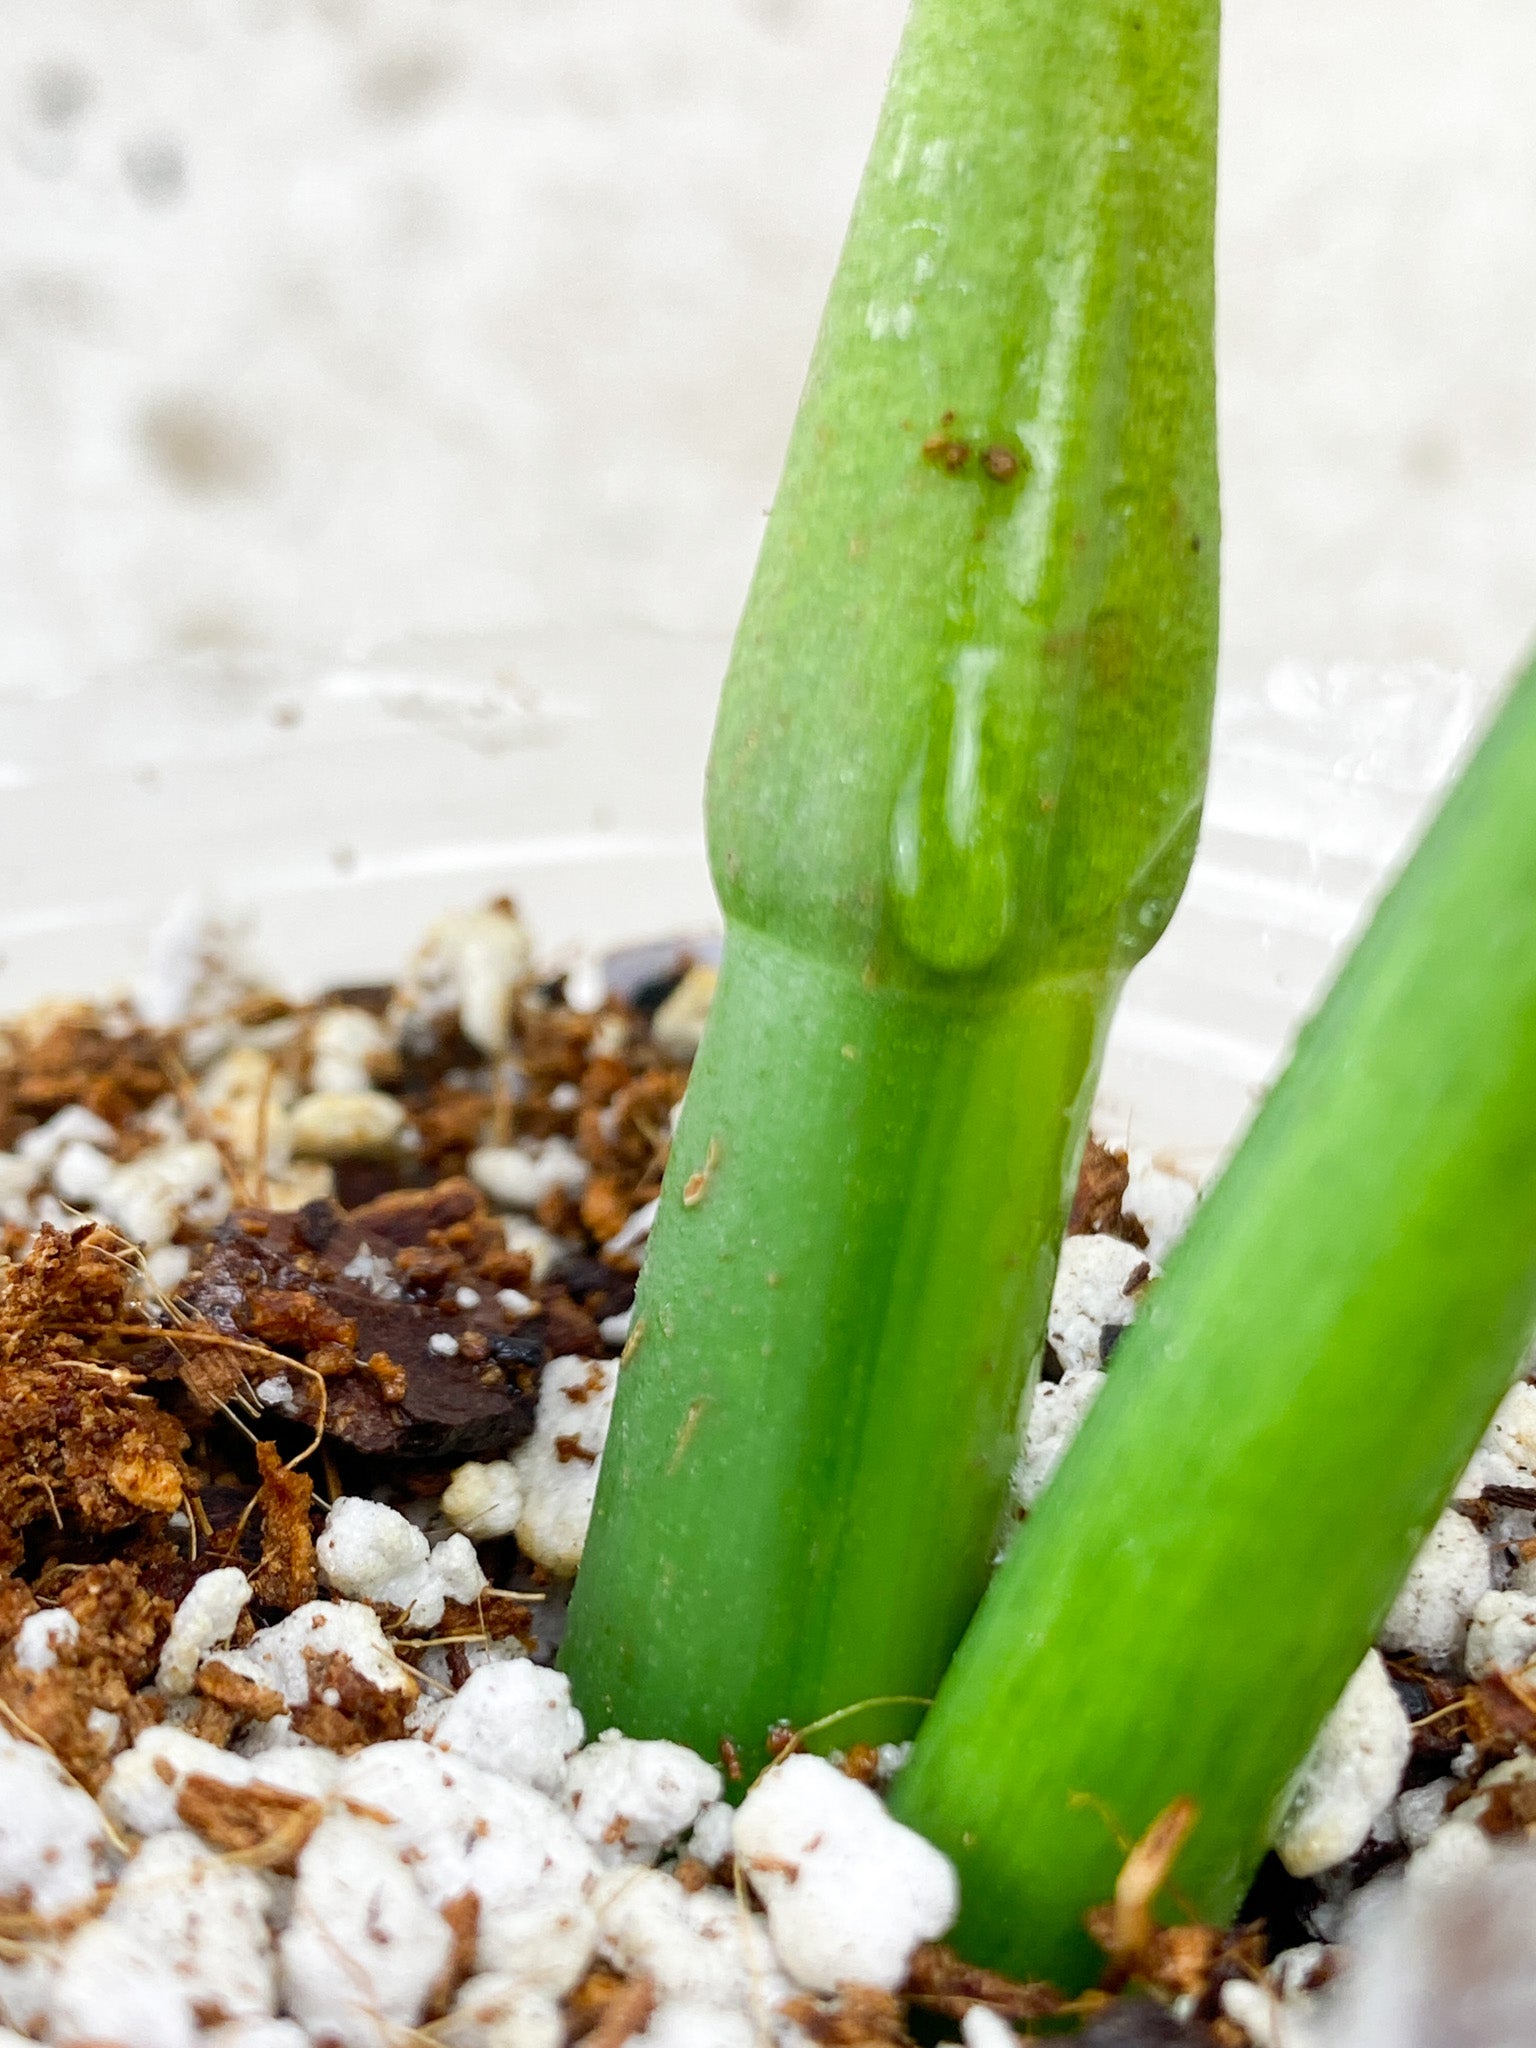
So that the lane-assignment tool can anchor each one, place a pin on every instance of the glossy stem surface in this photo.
(1280, 1429)
(845, 1307)
(954, 790)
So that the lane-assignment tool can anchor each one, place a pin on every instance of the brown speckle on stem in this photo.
(946, 453)
(697, 1184)
(685, 1434)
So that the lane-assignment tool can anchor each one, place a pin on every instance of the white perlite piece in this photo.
(696, 1946)
(1351, 1773)
(1452, 1962)
(53, 1841)
(1090, 1297)
(1161, 1200)
(1056, 1414)
(520, 1176)
(41, 1637)
(275, 1656)
(679, 2023)
(375, 1271)
(112, 1989)
(849, 1892)
(453, 1573)
(363, 1947)
(359, 1124)
(74, 1124)
(254, 2034)
(145, 1782)
(1449, 1576)
(501, 2012)
(204, 1917)
(370, 1552)
(344, 1043)
(632, 1798)
(1420, 1810)
(484, 1500)
(82, 1174)
(26, 1994)
(471, 962)
(1255, 2009)
(277, 1392)
(713, 1833)
(195, 964)
(1502, 1636)
(575, 1404)
(167, 1268)
(205, 1620)
(462, 1829)
(18, 1177)
(515, 1719)
(678, 1024)
(1455, 1848)
(983, 2029)
(891, 1758)
(538, 1246)
(1507, 1454)
(637, 1230)
(153, 1195)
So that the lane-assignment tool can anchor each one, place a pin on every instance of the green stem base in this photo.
(845, 1294)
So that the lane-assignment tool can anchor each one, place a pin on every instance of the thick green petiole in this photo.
(953, 794)
(1280, 1428)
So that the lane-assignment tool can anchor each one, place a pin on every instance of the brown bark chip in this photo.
(605, 2011)
(861, 1762)
(463, 1917)
(286, 1576)
(1500, 1715)
(74, 1057)
(1511, 1809)
(945, 1983)
(121, 1630)
(243, 1697)
(77, 1445)
(388, 1392)
(1101, 1186)
(257, 1824)
(362, 1712)
(858, 2017)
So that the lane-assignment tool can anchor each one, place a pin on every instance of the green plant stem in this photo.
(953, 795)
(944, 1134)
(1280, 1428)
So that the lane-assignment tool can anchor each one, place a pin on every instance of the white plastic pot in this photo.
(335, 810)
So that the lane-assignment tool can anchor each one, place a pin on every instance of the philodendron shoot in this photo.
(1281, 1427)
(953, 796)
